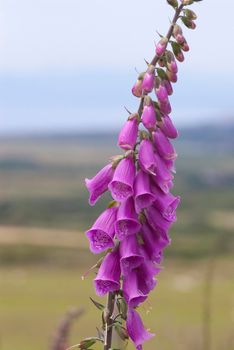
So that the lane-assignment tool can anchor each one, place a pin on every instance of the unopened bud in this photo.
(188, 22)
(187, 2)
(168, 86)
(148, 80)
(177, 30)
(173, 3)
(185, 46)
(161, 46)
(172, 76)
(190, 14)
(180, 39)
(137, 88)
(161, 62)
(177, 51)
(171, 63)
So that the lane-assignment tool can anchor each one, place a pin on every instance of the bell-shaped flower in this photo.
(166, 203)
(131, 290)
(136, 329)
(168, 127)
(154, 241)
(128, 134)
(121, 186)
(127, 220)
(142, 193)
(146, 157)
(163, 145)
(108, 276)
(146, 276)
(130, 257)
(99, 183)
(102, 232)
(158, 222)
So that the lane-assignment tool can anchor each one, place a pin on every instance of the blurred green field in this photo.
(43, 251)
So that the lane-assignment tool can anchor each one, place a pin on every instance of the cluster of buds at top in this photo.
(133, 231)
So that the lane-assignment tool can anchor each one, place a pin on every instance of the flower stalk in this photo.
(134, 229)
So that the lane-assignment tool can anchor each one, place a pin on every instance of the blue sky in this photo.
(70, 64)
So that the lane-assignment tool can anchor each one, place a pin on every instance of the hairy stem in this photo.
(108, 319)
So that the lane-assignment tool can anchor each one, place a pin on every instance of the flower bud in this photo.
(148, 115)
(168, 86)
(161, 91)
(180, 39)
(137, 88)
(161, 46)
(177, 30)
(173, 3)
(177, 51)
(161, 62)
(171, 63)
(165, 107)
(187, 2)
(148, 80)
(188, 22)
(190, 14)
(128, 133)
(185, 47)
(172, 76)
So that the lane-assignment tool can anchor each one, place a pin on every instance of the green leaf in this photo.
(98, 305)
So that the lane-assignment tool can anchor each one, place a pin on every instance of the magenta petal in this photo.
(129, 253)
(121, 186)
(99, 183)
(146, 157)
(163, 145)
(136, 329)
(159, 223)
(102, 232)
(128, 134)
(149, 117)
(168, 127)
(108, 276)
(127, 221)
(146, 276)
(131, 290)
(148, 82)
(166, 203)
(143, 195)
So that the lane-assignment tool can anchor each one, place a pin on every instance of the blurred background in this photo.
(66, 69)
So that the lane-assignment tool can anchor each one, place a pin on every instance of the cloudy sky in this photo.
(70, 64)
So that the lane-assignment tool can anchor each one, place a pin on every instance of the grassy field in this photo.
(43, 251)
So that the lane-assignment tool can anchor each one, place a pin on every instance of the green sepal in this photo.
(98, 305)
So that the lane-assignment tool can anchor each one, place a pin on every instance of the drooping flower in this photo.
(108, 276)
(146, 157)
(142, 192)
(168, 127)
(130, 257)
(121, 186)
(99, 183)
(127, 221)
(131, 290)
(166, 203)
(128, 134)
(146, 274)
(136, 329)
(163, 145)
(102, 232)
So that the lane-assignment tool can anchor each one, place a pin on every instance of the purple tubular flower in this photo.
(166, 203)
(146, 279)
(168, 128)
(154, 241)
(136, 330)
(149, 117)
(102, 232)
(131, 291)
(108, 276)
(159, 223)
(121, 186)
(162, 170)
(128, 134)
(163, 145)
(99, 183)
(146, 157)
(130, 257)
(143, 195)
(127, 221)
